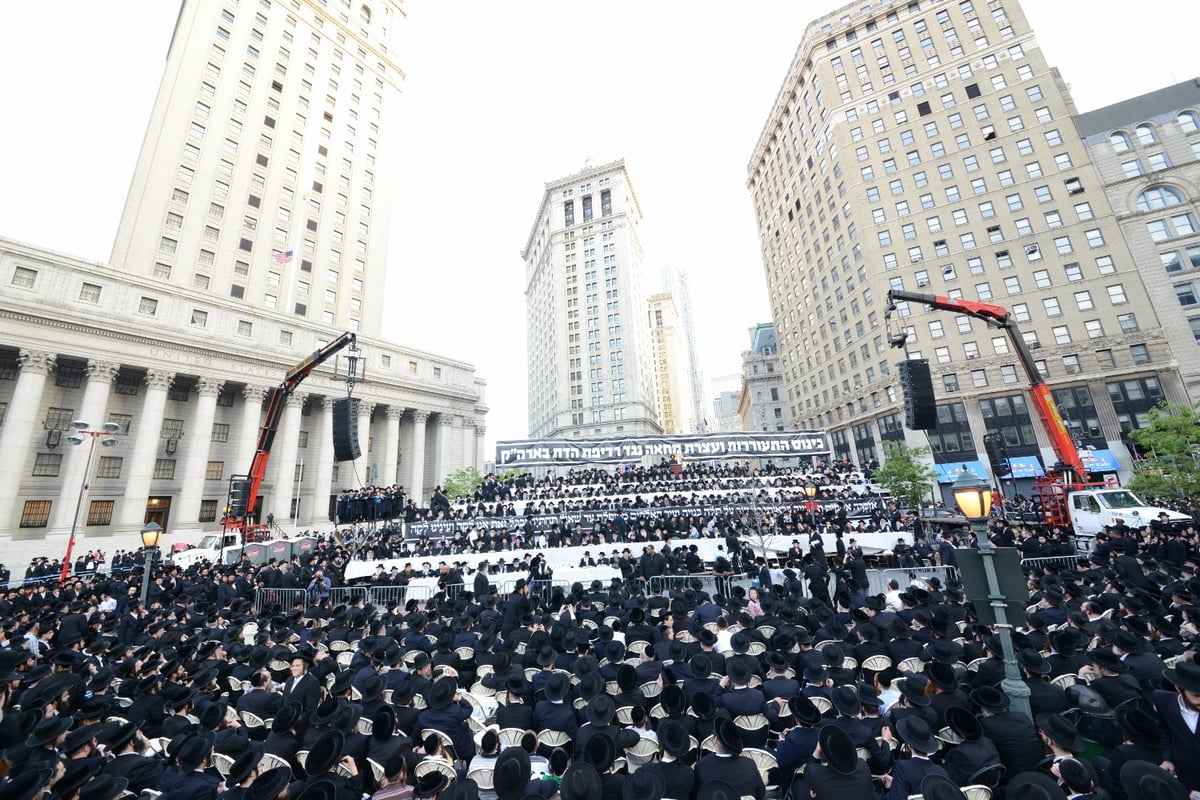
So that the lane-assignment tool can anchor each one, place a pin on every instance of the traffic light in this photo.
(997, 450)
(239, 495)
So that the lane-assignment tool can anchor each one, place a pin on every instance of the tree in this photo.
(1170, 444)
(903, 474)
(462, 483)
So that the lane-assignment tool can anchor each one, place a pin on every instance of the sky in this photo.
(501, 98)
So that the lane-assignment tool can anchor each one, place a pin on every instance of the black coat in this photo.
(306, 690)
(1016, 740)
(680, 779)
(964, 760)
(737, 771)
(141, 771)
(1180, 746)
(825, 784)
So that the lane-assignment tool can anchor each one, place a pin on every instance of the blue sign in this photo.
(1099, 460)
(948, 473)
(1026, 467)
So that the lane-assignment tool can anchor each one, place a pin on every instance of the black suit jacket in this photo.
(964, 760)
(1180, 746)
(825, 784)
(1016, 739)
(261, 702)
(307, 690)
(737, 771)
(680, 779)
(141, 771)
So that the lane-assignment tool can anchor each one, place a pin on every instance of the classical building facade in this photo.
(762, 401)
(671, 365)
(255, 231)
(1147, 150)
(591, 363)
(929, 147)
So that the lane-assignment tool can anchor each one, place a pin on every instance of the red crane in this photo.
(1069, 472)
(243, 489)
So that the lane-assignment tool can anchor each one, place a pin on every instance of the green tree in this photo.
(1170, 445)
(462, 483)
(903, 474)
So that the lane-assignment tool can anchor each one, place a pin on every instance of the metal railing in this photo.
(1056, 562)
(908, 576)
(285, 598)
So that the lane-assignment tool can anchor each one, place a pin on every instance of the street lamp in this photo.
(150, 535)
(974, 498)
(79, 435)
(811, 489)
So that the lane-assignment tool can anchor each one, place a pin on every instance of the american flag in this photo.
(284, 258)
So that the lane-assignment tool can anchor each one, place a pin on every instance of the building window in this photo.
(172, 428)
(1128, 323)
(208, 511)
(47, 465)
(1062, 334)
(214, 471)
(148, 306)
(199, 318)
(59, 419)
(69, 374)
(100, 512)
(35, 514)
(1140, 353)
(24, 277)
(1116, 294)
(220, 432)
(164, 469)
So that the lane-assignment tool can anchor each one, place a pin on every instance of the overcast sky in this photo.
(500, 98)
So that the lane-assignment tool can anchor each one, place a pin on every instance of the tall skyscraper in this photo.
(675, 281)
(261, 176)
(255, 231)
(672, 385)
(591, 368)
(930, 147)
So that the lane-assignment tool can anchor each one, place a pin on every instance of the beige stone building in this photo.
(671, 364)
(762, 401)
(591, 361)
(930, 147)
(254, 232)
(1147, 150)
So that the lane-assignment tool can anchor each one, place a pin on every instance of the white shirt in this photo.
(1190, 718)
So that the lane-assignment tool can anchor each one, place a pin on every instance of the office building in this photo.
(671, 364)
(929, 147)
(762, 400)
(254, 232)
(1147, 151)
(591, 362)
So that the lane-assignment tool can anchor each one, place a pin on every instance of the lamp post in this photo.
(80, 434)
(150, 535)
(811, 489)
(974, 498)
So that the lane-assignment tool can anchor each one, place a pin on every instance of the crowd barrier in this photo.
(907, 576)
(285, 598)
(1055, 562)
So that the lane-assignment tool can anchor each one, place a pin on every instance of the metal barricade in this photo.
(665, 584)
(284, 599)
(386, 597)
(345, 595)
(908, 576)
(1055, 562)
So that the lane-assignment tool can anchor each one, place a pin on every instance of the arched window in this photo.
(1146, 134)
(364, 15)
(1120, 141)
(1158, 197)
(1189, 121)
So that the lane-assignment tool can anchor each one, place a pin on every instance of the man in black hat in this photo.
(679, 779)
(835, 771)
(974, 753)
(552, 713)
(126, 747)
(1113, 681)
(194, 781)
(515, 607)
(448, 712)
(261, 700)
(907, 774)
(1012, 732)
(728, 764)
(1179, 712)
(302, 686)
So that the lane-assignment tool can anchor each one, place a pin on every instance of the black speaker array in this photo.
(920, 407)
(345, 429)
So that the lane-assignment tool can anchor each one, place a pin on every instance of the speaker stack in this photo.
(920, 407)
(345, 429)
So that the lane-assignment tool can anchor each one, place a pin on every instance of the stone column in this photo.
(199, 443)
(362, 464)
(140, 467)
(468, 449)
(20, 427)
(391, 445)
(416, 481)
(248, 434)
(287, 445)
(481, 456)
(94, 411)
(319, 513)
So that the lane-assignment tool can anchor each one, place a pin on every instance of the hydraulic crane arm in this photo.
(1039, 392)
(275, 407)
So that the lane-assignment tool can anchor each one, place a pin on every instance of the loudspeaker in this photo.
(345, 429)
(997, 451)
(920, 408)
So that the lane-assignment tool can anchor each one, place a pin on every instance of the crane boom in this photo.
(1039, 393)
(246, 487)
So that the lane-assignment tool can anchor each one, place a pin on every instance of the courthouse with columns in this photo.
(254, 232)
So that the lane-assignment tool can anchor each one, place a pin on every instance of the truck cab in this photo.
(1092, 509)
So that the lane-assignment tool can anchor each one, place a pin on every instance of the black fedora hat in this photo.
(287, 717)
(1034, 785)
(941, 675)
(1103, 657)
(803, 709)
(645, 784)
(913, 690)
(601, 710)
(510, 775)
(838, 749)
(28, 783)
(103, 787)
(939, 787)
(195, 751)
(325, 753)
(48, 730)
(739, 671)
(80, 736)
(441, 694)
(703, 706)
(964, 724)
(323, 714)
(1144, 779)
(1185, 675)
(674, 738)
(729, 736)
(269, 784)
(599, 752)
(915, 732)
(242, 766)
(1033, 662)
(78, 772)
(1140, 726)
(557, 686)
(991, 698)
(1060, 730)
(845, 700)
(581, 781)
(432, 783)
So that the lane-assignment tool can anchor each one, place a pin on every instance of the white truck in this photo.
(227, 547)
(1091, 509)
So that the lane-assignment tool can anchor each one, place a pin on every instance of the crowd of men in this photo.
(601, 692)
